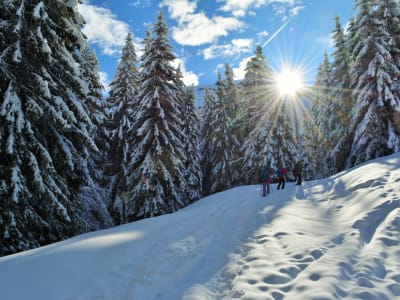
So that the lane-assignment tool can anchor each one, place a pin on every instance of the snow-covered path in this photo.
(336, 238)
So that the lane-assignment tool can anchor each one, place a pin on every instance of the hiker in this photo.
(265, 181)
(298, 169)
(281, 174)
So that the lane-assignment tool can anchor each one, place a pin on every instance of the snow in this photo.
(336, 238)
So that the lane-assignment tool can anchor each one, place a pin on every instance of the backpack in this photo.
(264, 175)
(281, 172)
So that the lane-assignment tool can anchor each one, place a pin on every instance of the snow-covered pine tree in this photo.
(283, 141)
(323, 116)
(191, 129)
(96, 106)
(224, 140)
(231, 93)
(311, 140)
(273, 142)
(208, 147)
(94, 195)
(122, 103)
(236, 113)
(342, 101)
(255, 88)
(44, 124)
(157, 133)
(375, 69)
(256, 94)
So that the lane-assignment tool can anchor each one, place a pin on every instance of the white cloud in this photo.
(240, 6)
(140, 3)
(236, 48)
(294, 11)
(103, 28)
(196, 29)
(189, 78)
(243, 7)
(239, 72)
(104, 80)
(179, 9)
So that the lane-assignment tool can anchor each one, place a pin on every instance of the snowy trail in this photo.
(142, 260)
(336, 238)
(315, 250)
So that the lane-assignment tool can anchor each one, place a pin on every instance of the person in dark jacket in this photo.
(281, 174)
(298, 170)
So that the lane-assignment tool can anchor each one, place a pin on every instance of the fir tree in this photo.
(257, 97)
(221, 173)
(208, 116)
(44, 124)
(97, 110)
(323, 115)
(342, 101)
(272, 143)
(157, 133)
(191, 129)
(235, 115)
(373, 132)
(94, 195)
(255, 88)
(122, 102)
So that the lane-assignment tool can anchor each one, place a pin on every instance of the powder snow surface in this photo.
(336, 238)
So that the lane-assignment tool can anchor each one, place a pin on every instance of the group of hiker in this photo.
(281, 175)
(266, 178)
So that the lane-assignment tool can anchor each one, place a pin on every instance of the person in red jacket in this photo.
(281, 174)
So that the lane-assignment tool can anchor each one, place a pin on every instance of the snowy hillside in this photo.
(336, 238)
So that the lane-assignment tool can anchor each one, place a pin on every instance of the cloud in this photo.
(240, 8)
(189, 78)
(104, 81)
(103, 29)
(239, 72)
(140, 3)
(236, 48)
(196, 29)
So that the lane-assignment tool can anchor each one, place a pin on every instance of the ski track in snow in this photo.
(336, 238)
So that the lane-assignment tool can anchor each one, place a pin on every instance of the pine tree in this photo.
(373, 132)
(157, 133)
(235, 113)
(208, 147)
(272, 143)
(96, 105)
(342, 101)
(122, 102)
(221, 173)
(255, 88)
(311, 139)
(191, 129)
(44, 124)
(323, 116)
(257, 97)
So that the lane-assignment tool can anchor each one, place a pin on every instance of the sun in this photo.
(289, 82)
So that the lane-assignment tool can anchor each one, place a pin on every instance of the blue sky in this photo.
(206, 34)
